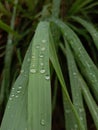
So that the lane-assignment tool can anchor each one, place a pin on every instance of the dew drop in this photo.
(41, 63)
(37, 46)
(81, 118)
(16, 96)
(42, 122)
(20, 87)
(43, 40)
(28, 60)
(13, 88)
(33, 56)
(33, 70)
(43, 48)
(8, 107)
(22, 71)
(18, 91)
(42, 71)
(95, 34)
(74, 73)
(47, 77)
(76, 126)
(12, 95)
(81, 109)
(10, 98)
(41, 55)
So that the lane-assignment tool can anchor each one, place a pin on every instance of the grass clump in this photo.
(50, 63)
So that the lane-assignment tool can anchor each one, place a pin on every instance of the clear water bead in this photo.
(76, 126)
(28, 60)
(12, 95)
(81, 109)
(81, 118)
(47, 77)
(10, 98)
(74, 73)
(18, 91)
(41, 55)
(43, 48)
(33, 70)
(43, 40)
(37, 46)
(22, 71)
(16, 96)
(41, 63)
(20, 87)
(42, 71)
(42, 122)
(33, 56)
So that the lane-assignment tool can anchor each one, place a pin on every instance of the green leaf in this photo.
(68, 106)
(84, 61)
(56, 8)
(93, 107)
(15, 116)
(90, 28)
(3, 10)
(39, 92)
(78, 5)
(8, 29)
(75, 87)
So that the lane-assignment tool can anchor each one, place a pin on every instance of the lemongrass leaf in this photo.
(3, 10)
(56, 8)
(93, 107)
(15, 116)
(68, 106)
(78, 5)
(39, 92)
(7, 28)
(75, 86)
(90, 28)
(84, 61)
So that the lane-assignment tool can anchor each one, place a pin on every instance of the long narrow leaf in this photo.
(39, 92)
(93, 107)
(84, 61)
(15, 116)
(90, 28)
(75, 86)
(66, 99)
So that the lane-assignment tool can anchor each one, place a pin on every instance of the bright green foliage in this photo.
(78, 5)
(7, 28)
(90, 28)
(68, 106)
(75, 88)
(15, 116)
(39, 92)
(93, 107)
(85, 63)
(57, 58)
(30, 98)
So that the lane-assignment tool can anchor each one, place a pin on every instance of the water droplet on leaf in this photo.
(33, 70)
(43, 48)
(47, 77)
(42, 71)
(22, 71)
(43, 40)
(41, 55)
(42, 122)
(37, 46)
